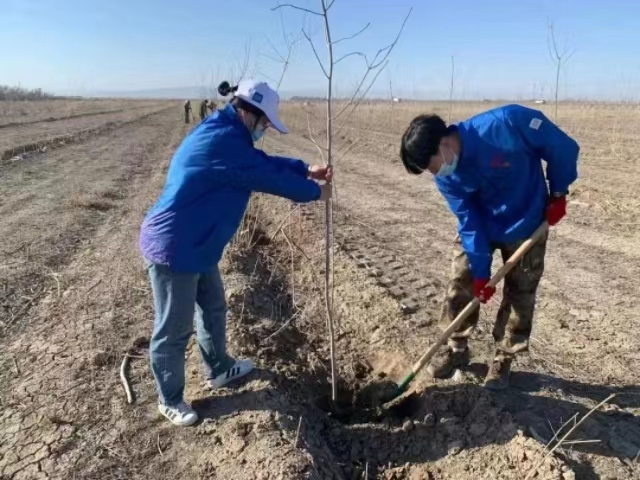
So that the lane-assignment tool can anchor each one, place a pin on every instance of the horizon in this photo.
(285, 97)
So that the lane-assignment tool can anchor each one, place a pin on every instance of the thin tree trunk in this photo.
(329, 211)
(453, 66)
(557, 84)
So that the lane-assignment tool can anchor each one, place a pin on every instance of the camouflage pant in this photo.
(515, 316)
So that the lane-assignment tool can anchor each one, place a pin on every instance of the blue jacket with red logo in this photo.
(498, 191)
(210, 180)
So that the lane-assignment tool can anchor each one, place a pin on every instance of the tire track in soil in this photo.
(49, 388)
(399, 227)
(69, 117)
(20, 140)
(379, 236)
(51, 203)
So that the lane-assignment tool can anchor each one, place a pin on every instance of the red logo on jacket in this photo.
(498, 161)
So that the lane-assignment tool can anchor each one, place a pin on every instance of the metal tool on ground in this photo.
(470, 308)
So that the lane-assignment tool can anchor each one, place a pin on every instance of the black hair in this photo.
(421, 141)
(240, 104)
(225, 89)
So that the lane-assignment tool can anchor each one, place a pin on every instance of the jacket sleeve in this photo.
(475, 242)
(251, 171)
(293, 164)
(554, 146)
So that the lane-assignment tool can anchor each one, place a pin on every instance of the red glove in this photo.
(556, 209)
(481, 291)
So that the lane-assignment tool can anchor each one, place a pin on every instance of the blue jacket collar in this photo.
(468, 143)
(229, 116)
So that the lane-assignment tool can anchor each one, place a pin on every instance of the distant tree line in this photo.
(18, 93)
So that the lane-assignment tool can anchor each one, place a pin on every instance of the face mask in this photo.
(257, 134)
(448, 168)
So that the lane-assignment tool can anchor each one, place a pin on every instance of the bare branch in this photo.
(552, 45)
(550, 49)
(348, 149)
(559, 58)
(349, 55)
(312, 115)
(285, 324)
(552, 35)
(284, 220)
(289, 5)
(352, 36)
(125, 381)
(267, 76)
(355, 94)
(360, 99)
(390, 47)
(273, 59)
(275, 50)
(243, 63)
(453, 70)
(313, 140)
(329, 6)
(373, 80)
(285, 67)
(566, 435)
(285, 36)
(358, 89)
(315, 52)
(374, 65)
(555, 433)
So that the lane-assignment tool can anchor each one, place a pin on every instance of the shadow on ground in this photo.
(430, 423)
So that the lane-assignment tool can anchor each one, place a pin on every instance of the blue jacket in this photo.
(498, 191)
(210, 180)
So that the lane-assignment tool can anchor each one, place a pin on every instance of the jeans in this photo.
(175, 296)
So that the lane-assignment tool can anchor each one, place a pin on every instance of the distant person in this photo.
(188, 113)
(183, 236)
(203, 109)
(212, 106)
(489, 170)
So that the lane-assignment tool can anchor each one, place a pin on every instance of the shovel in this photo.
(470, 308)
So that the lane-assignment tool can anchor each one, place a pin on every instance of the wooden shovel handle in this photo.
(475, 303)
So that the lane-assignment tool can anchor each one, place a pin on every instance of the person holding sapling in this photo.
(182, 238)
(489, 170)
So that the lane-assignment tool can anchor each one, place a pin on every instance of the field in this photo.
(76, 177)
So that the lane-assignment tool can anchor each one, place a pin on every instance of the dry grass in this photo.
(91, 201)
(46, 110)
(610, 119)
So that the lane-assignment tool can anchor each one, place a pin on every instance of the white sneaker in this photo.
(181, 415)
(239, 370)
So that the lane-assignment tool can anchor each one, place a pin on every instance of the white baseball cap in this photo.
(264, 98)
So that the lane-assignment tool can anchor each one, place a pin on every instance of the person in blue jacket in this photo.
(183, 236)
(489, 170)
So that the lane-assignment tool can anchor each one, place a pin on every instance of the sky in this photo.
(499, 47)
